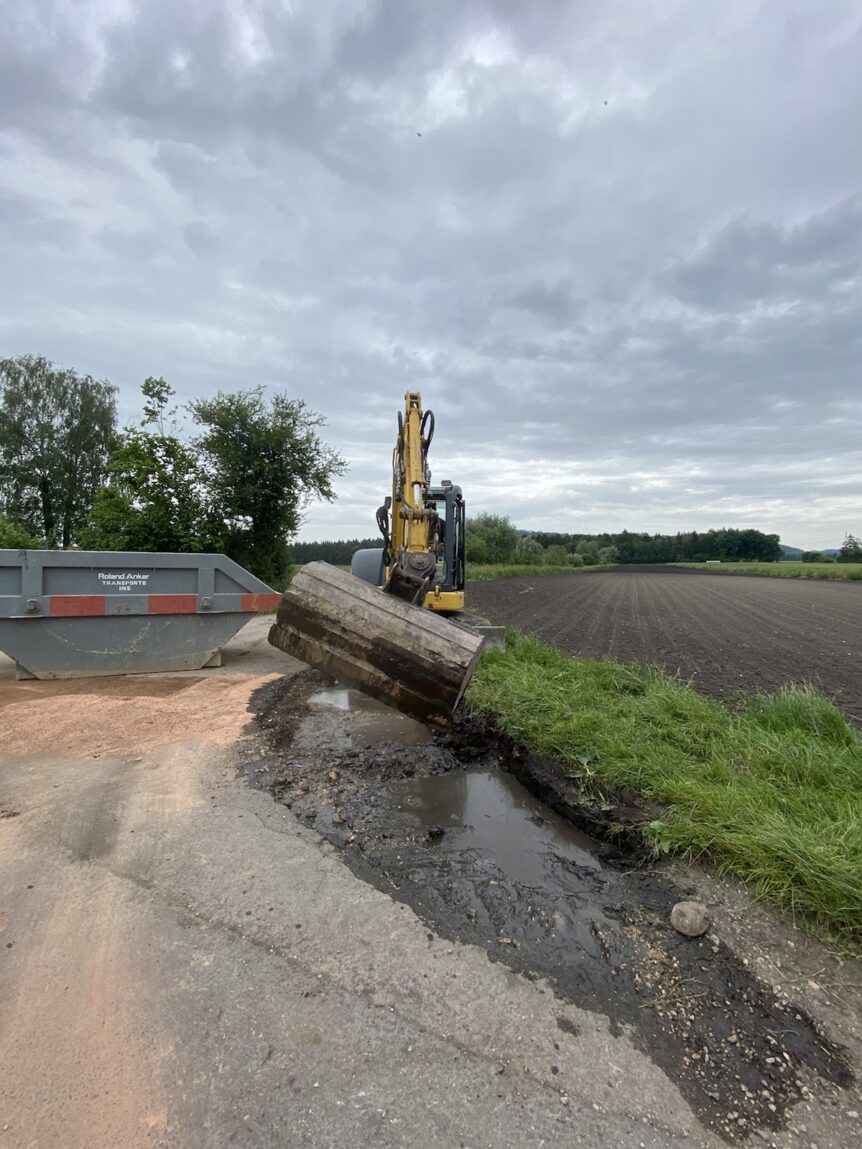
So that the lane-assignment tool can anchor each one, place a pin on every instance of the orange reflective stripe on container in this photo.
(77, 605)
(172, 604)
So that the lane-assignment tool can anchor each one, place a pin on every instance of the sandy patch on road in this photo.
(80, 1055)
(92, 717)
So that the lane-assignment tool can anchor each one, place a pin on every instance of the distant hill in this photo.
(796, 553)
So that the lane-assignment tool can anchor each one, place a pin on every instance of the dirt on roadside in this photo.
(93, 717)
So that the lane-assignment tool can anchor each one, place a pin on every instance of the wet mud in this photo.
(462, 829)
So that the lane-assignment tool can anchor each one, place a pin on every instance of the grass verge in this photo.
(783, 570)
(770, 792)
(513, 570)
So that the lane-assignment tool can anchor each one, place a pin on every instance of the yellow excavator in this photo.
(422, 557)
(368, 627)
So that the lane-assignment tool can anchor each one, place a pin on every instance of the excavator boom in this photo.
(422, 557)
(413, 562)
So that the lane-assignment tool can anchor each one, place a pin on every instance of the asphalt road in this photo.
(183, 963)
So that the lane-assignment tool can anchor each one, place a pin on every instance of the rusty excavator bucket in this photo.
(401, 654)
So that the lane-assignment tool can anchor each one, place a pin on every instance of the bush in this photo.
(556, 554)
(529, 552)
(14, 537)
(575, 560)
(589, 551)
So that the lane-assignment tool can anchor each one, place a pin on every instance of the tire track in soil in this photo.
(724, 633)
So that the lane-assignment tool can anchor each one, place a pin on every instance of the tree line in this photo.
(338, 552)
(724, 545)
(494, 539)
(239, 484)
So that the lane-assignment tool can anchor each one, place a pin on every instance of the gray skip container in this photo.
(76, 614)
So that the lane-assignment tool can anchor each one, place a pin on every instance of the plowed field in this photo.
(725, 634)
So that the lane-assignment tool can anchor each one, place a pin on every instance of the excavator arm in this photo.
(413, 538)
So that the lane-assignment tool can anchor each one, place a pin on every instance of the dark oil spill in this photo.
(454, 835)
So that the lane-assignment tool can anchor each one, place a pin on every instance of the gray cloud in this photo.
(747, 263)
(617, 248)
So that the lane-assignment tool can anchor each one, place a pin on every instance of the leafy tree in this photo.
(264, 463)
(574, 560)
(57, 429)
(490, 539)
(155, 498)
(14, 537)
(529, 552)
(608, 554)
(851, 550)
(815, 557)
(476, 548)
(158, 393)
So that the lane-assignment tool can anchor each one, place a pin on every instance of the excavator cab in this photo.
(447, 590)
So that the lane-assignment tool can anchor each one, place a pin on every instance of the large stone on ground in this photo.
(690, 918)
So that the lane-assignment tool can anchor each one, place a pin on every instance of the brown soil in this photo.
(726, 635)
(92, 717)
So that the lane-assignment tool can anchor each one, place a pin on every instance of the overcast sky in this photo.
(617, 246)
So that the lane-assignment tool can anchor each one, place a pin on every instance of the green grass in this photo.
(770, 793)
(783, 570)
(513, 570)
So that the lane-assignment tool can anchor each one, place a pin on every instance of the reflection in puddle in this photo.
(342, 698)
(371, 721)
(492, 812)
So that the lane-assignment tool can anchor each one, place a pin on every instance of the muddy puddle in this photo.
(491, 811)
(494, 843)
(369, 721)
(443, 825)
